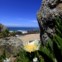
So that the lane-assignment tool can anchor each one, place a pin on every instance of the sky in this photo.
(19, 13)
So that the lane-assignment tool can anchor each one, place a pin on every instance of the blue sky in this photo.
(20, 13)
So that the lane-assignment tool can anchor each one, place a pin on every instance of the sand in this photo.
(29, 37)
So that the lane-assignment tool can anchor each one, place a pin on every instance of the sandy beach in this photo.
(29, 37)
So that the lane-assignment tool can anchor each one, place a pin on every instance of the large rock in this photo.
(2, 28)
(46, 18)
(11, 45)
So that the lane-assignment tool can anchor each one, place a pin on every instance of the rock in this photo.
(11, 45)
(46, 17)
(2, 28)
(45, 38)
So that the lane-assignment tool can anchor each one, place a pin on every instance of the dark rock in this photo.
(46, 17)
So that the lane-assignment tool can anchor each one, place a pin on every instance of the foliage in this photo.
(3, 56)
(51, 52)
(12, 33)
(22, 56)
(5, 33)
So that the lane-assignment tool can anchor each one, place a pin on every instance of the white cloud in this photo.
(35, 21)
(19, 22)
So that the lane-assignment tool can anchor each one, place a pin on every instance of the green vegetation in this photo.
(4, 33)
(22, 57)
(3, 56)
(52, 52)
(12, 33)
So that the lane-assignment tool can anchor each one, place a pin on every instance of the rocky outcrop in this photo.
(46, 18)
(11, 45)
(2, 28)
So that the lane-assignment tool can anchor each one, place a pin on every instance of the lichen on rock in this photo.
(46, 18)
(11, 46)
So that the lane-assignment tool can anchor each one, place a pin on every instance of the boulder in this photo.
(11, 45)
(2, 27)
(49, 10)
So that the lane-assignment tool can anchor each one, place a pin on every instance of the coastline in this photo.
(27, 34)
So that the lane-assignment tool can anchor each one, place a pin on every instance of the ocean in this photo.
(22, 28)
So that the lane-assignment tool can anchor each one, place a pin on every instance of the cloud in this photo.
(34, 21)
(19, 22)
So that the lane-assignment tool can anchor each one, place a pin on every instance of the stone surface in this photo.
(2, 28)
(11, 45)
(46, 17)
